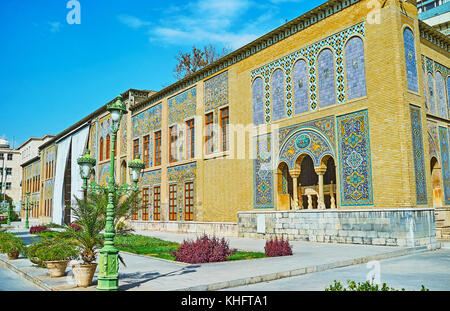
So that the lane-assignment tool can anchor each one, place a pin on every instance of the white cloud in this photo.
(132, 21)
(231, 23)
(55, 26)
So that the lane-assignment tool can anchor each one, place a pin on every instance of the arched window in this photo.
(440, 95)
(101, 149)
(410, 59)
(300, 86)
(278, 107)
(108, 146)
(448, 93)
(425, 93)
(354, 66)
(258, 101)
(431, 93)
(325, 69)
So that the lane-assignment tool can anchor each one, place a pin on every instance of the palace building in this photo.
(333, 127)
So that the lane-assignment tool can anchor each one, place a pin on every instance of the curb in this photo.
(310, 269)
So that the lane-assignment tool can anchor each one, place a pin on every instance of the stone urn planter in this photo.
(84, 273)
(13, 255)
(57, 268)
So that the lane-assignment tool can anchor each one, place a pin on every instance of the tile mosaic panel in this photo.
(257, 101)
(355, 167)
(263, 172)
(336, 43)
(277, 89)
(431, 93)
(355, 68)
(48, 189)
(433, 140)
(441, 96)
(410, 59)
(326, 126)
(325, 71)
(448, 93)
(425, 92)
(123, 135)
(418, 153)
(444, 143)
(300, 86)
(216, 91)
(93, 139)
(146, 122)
(182, 106)
(305, 142)
(103, 174)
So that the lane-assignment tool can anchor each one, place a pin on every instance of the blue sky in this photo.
(53, 73)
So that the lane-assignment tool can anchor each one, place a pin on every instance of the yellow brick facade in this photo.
(224, 182)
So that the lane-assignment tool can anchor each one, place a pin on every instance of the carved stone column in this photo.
(332, 200)
(320, 170)
(295, 174)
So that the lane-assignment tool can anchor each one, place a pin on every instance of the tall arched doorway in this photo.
(329, 182)
(436, 181)
(284, 187)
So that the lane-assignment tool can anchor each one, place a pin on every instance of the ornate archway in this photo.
(309, 157)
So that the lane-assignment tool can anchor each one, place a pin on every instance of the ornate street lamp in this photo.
(27, 207)
(108, 276)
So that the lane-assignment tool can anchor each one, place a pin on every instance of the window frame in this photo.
(209, 135)
(224, 130)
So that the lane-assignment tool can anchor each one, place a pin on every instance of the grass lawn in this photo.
(144, 245)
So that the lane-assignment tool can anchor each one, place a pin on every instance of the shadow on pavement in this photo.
(136, 279)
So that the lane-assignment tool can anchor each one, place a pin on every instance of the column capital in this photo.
(320, 170)
(294, 173)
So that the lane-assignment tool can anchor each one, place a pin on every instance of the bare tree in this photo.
(196, 59)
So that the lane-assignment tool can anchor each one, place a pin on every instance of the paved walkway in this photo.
(147, 273)
(431, 269)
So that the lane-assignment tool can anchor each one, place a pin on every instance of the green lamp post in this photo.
(108, 276)
(27, 206)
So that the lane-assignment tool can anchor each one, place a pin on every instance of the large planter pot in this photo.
(56, 268)
(13, 255)
(84, 274)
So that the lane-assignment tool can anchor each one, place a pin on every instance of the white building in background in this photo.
(435, 13)
(30, 148)
(10, 172)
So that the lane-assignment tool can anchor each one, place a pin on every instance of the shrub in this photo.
(52, 249)
(277, 247)
(75, 226)
(203, 250)
(10, 243)
(365, 286)
(38, 229)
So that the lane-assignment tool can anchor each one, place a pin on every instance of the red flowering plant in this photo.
(38, 229)
(275, 247)
(203, 250)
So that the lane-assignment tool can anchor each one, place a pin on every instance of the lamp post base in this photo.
(105, 284)
(108, 275)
